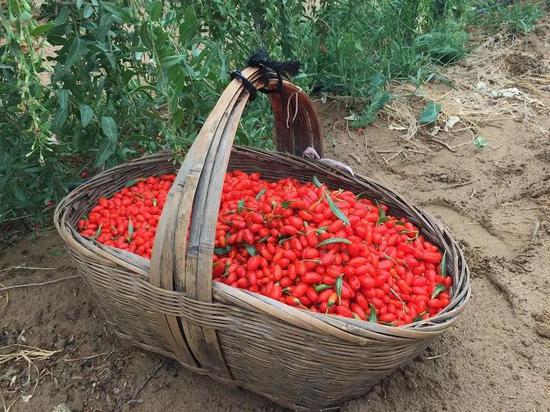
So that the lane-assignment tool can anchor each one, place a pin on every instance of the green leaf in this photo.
(382, 218)
(145, 34)
(480, 142)
(59, 119)
(377, 102)
(6, 66)
(438, 289)
(20, 194)
(377, 81)
(130, 230)
(222, 251)
(336, 210)
(443, 264)
(104, 26)
(226, 270)
(321, 229)
(77, 47)
(240, 206)
(419, 317)
(372, 317)
(333, 240)
(189, 28)
(106, 150)
(286, 204)
(43, 28)
(63, 97)
(284, 239)
(118, 13)
(88, 11)
(132, 182)
(86, 114)
(339, 282)
(25, 15)
(97, 232)
(108, 126)
(174, 60)
(155, 10)
(260, 194)
(316, 182)
(430, 113)
(250, 249)
(321, 286)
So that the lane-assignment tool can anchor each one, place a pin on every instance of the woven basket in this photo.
(170, 305)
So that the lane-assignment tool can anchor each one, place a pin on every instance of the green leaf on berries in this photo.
(438, 289)
(372, 316)
(130, 230)
(333, 240)
(382, 218)
(284, 239)
(339, 282)
(286, 204)
(443, 264)
(132, 182)
(418, 317)
(263, 240)
(97, 233)
(240, 206)
(250, 249)
(399, 223)
(321, 286)
(316, 182)
(221, 251)
(226, 270)
(321, 229)
(260, 194)
(336, 210)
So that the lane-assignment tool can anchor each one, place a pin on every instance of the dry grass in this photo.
(490, 85)
(14, 355)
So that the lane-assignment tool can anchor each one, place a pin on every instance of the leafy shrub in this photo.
(87, 84)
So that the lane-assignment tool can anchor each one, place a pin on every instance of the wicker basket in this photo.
(170, 305)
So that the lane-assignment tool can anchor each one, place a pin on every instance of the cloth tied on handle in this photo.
(270, 69)
(311, 153)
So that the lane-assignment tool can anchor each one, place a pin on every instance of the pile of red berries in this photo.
(303, 244)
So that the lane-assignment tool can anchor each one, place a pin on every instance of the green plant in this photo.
(515, 17)
(123, 78)
(87, 84)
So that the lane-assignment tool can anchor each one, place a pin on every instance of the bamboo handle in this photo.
(183, 249)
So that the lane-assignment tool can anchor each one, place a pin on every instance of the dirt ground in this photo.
(494, 196)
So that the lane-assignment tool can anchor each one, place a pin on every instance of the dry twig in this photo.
(144, 384)
(27, 285)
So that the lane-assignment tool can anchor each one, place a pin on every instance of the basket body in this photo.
(299, 359)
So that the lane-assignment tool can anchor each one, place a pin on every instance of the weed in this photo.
(515, 17)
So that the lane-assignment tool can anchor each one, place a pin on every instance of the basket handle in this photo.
(183, 261)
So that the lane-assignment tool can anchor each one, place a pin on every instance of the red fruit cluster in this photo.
(302, 244)
(129, 219)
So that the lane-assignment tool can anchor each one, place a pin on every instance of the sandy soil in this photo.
(496, 200)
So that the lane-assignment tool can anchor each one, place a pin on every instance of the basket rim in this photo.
(357, 331)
